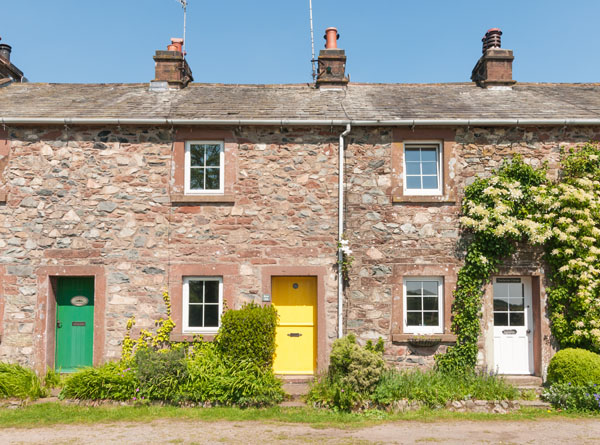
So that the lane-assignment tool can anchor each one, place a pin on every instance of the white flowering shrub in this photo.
(519, 204)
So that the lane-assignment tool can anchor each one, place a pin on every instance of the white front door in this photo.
(513, 326)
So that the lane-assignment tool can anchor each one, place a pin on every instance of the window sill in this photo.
(423, 198)
(406, 338)
(188, 337)
(200, 199)
(3, 196)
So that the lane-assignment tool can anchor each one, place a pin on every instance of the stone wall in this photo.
(101, 197)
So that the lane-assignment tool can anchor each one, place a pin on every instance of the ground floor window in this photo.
(423, 305)
(202, 304)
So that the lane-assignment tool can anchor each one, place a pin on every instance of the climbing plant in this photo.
(520, 204)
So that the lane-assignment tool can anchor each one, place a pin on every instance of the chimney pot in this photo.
(5, 51)
(492, 39)
(331, 36)
(176, 45)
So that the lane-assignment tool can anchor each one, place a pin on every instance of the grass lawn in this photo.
(45, 414)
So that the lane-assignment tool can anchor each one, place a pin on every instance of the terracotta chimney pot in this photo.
(331, 36)
(176, 45)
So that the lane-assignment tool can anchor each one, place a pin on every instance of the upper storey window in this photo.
(204, 167)
(423, 169)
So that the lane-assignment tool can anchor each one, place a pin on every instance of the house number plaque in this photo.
(79, 300)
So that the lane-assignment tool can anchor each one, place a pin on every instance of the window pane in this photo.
(212, 179)
(211, 293)
(197, 178)
(213, 155)
(517, 319)
(195, 288)
(501, 291)
(413, 168)
(413, 319)
(412, 154)
(195, 318)
(429, 168)
(500, 319)
(211, 316)
(430, 318)
(413, 182)
(197, 155)
(413, 288)
(500, 304)
(516, 304)
(413, 303)
(430, 182)
(428, 154)
(430, 303)
(430, 287)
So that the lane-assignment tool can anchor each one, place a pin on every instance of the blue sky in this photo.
(268, 41)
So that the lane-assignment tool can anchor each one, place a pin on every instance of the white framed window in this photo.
(423, 168)
(423, 305)
(204, 167)
(202, 304)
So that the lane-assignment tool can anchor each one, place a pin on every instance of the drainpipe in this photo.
(341, 231)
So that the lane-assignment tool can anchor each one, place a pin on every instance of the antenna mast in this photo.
(184, 5)
(312, 42)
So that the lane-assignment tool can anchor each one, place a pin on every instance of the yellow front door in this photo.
(295, 299)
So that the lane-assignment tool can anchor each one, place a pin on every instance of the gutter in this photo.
(341, 231)
(299, 122)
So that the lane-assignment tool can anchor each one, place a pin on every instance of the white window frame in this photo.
(186, 329)
(187, 166)
(439, 329)
(440, 168)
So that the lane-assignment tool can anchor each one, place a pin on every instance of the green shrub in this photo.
(160, 373)
(354, 367)
(52, 379)
(435, 388)
(575, 366)
(214, 378)
(573, 397)
(20, 382)
(331, 394)
(249, 334)
(113, 381)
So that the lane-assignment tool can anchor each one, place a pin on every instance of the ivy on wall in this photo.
(520, 204)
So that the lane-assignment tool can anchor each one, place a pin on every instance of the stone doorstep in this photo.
(524, 381)
(295, 387)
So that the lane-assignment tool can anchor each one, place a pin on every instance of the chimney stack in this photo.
(171, 66)
(8, 72)
(494, 68)
(332, 62)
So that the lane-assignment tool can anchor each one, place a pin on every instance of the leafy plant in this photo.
(575, 366)
(435, 388)
(160, 373)
(52, 379)
(112, 381)
(248, 334)
(573, 397)
(18, 381)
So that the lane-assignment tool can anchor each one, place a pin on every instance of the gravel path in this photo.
(547, 432)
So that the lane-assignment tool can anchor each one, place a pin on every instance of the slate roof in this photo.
(301, 101)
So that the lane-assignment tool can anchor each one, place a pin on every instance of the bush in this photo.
(575, 366)
(160, 373)
(114, 381)
(248, 334)
(354, 367)
(331, 394)
(17, 381)
(435, 388)
(212, 377)
(573, 397)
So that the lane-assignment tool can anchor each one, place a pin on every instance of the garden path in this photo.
(546, 431)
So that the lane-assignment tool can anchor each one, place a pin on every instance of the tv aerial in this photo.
(183, 4)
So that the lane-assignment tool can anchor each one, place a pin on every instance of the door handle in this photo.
(58, 324)
(528, 331)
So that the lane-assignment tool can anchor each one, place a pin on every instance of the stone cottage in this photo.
(226, 194)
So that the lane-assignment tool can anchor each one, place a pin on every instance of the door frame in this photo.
(319, 272)
(536, 309)
(45, 316)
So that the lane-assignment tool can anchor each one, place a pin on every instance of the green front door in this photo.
(74, 323)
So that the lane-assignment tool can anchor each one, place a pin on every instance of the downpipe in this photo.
(341, 231)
